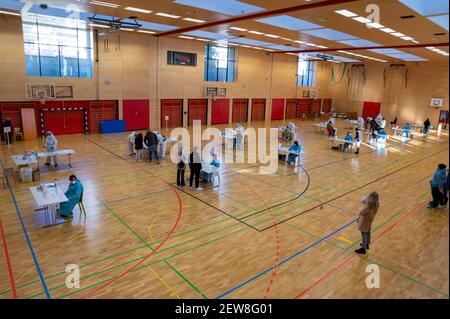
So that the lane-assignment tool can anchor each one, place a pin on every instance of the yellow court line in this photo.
(151, 225)
(165, 284)
(345, 240)
(68, 241)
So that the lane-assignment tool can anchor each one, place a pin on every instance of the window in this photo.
(306, 72)
(57, 47)
(220, 63)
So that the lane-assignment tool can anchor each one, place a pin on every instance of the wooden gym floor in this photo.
(284, 235)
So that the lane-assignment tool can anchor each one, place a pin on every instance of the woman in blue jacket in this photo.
(437, 184)
(294, 148)
(73, 194)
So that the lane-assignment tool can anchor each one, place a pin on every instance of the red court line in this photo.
(351, 257)
(8, 262)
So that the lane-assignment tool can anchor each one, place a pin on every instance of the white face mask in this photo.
(73, 182)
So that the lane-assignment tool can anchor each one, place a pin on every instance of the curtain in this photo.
(356, 82)
(395, 82)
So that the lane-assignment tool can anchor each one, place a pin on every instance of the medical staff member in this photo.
(296, 147)
(358, 139)
(331, 120)
(162, 142)
(437, 184)
(50, 144)
(349, 141)
(383, 123)
(406, 130)
(74, 193)
(130, 141)
(240, 137)
(361, 123)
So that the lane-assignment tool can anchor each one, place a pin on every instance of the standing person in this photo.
(445, 191)
(8, 136)
(130, 141)
(50, 144)
(138, 146)
(74, 193)
(294, 148)
(358, 139)
(195, 164)
(365, 220)
(162, 142)
(426, 126)
(181, 166)
(151, 140)
(349, 141)
(383, 123)
(437, 184)
(361, 123)
(394, 122)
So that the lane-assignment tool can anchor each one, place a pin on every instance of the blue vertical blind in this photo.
(306, 72)
(220, 63)
(55, 49)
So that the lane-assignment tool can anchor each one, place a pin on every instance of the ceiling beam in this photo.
(257, 15)
(404, 46)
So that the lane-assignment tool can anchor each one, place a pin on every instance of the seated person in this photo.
(381, 135)
(216, 163)
(349, 140)
(296, 147)
(330, 129)
(73, 194)
(406, 130)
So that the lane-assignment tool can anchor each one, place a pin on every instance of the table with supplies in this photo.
(209, 170)
(338, 143)
(48, 196)
(284, 150)
(33, 157)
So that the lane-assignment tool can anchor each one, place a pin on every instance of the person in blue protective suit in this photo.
(406, 130)
(437, 184)
(349, 141)
(73, 194)
(293, 148)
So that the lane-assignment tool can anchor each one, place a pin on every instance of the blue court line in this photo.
(36, 263)
(285, 260)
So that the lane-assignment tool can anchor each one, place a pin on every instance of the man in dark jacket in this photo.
(195, 164)
(151, 140)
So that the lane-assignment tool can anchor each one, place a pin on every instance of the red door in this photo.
(220, 111)
(277, 109)
(197, 110)
(173, 110)
(62, 122)
(258, 110)
(136, 114)
(326, 105)
(316, 106)
(291, 108)
(240, 110)
(371, 109)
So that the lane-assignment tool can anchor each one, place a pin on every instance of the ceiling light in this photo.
(415, 41)
(298, 41)
(362, 20)
(185, 37)
(98, 25)
(271, 35)
(398, 34)
(105, 4)
(407, 38)
(238, 29)
(286, 39)
(375, 25)
(200, 39)
(255, 32)
(322, 46)
(126, 29)
(346, 13)
(167, 15)
(146, 31)
(194, 20)
(138, 10)
(387, 30)
(9, 12)
(245, 46)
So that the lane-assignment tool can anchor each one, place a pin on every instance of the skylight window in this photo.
(229, 7)
(346, 13)
(289, 23)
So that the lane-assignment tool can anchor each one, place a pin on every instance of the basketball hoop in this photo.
(42, 100)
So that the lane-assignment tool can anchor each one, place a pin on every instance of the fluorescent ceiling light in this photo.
(271, 35)
(362, 20)
(286, 39)
(245, 46)
(105, 4)
(98, 25)
(200, 39)
(138, 10)
(255, 32)
(387, 30)
(194, 20)
(375, 25)
(298, 41)
(407, 38)
(322, 46)
(167, 15)
(398, 34)
(415, 41)
(146, 31)
(126, 29)
(346, 13)
(9, 12)
(185, 37)
(238, 29)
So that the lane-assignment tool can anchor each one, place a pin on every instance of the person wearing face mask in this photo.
(50, 144)
(73, 194)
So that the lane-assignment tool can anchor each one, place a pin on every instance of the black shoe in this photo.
(56, 165)
(360, 244)
(47, 164)
(360, 251)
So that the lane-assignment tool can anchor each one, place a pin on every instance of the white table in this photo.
(336, 141)
(49, 198)
(285, 150)
(19, 161)
(320, 127)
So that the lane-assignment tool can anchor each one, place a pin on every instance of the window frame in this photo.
(307, 79)
(211, 61)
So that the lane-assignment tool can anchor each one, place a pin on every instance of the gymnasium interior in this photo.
(313, 72)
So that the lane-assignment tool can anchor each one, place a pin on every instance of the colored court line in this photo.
(351, 257)
(8, 261)
(30, 246)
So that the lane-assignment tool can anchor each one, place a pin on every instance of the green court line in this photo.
(194, 287)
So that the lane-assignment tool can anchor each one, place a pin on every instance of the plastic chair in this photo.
(81, 206)
(18, 133)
